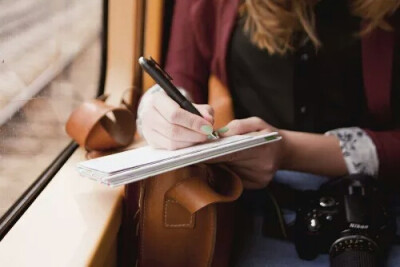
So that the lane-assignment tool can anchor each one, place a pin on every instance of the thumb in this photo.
(243, 126)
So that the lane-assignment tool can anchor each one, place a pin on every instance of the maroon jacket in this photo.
(201, 32)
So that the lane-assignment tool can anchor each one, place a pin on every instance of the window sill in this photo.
(73, 222)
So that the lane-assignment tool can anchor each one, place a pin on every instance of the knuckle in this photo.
(235, 124)
(267, 167)
(174, 115)
(256, 120)
(173, 131)
(238, 125)
(194, 124)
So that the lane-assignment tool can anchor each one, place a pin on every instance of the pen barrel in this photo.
(189, 107)
(174, 93)
(167, 86)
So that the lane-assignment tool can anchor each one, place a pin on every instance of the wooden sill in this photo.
(73, 222)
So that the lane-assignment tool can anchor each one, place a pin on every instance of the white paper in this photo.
(128, 166)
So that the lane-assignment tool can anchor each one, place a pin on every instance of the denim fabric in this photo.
(256, 250)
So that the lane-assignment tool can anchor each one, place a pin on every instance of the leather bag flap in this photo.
(195, 193)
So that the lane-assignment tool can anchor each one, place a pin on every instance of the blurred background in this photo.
(50, 61)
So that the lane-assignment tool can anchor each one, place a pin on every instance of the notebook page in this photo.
(184, 160)
(148, 155)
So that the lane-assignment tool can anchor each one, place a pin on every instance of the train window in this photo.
(50, 61)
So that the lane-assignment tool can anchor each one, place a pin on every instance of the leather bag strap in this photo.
(98, 126)
(222, 185)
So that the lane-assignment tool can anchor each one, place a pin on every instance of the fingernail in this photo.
(207, 129)
(223, 130)
(210, 137)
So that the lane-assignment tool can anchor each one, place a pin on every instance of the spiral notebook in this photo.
(140, 163)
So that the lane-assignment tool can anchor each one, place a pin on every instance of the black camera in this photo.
(348, 218)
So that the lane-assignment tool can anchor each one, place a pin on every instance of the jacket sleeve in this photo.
(388, 148)
(387, 142)
(190, 51)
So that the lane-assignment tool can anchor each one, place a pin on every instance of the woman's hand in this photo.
(297, 151)
(164, 124)
(256, 166)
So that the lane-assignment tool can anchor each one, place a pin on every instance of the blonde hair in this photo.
(272, 24)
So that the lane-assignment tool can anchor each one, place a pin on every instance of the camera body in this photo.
(347, 218)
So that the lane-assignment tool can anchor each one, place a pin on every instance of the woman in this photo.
(298, 67)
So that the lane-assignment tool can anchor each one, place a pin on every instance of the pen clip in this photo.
(160, 69)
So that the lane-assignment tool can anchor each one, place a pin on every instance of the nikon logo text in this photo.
(358, 226)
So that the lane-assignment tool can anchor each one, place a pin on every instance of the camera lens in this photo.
(354, 250)
(354, 259)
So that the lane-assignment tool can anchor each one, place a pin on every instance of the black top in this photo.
(307, 90)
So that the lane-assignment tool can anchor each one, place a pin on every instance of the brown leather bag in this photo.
(180, 218)
(183, 217)
(92, 127)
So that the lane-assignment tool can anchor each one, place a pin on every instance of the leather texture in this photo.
(95, 125)
(198, 192)
(180, 218)
(183, 218)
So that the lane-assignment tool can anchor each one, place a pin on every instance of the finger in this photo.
(206, 111)
(260, 154)
(251, 176)
(171, 111)
(172, 131)
(222, 159)
(237, 157)
(245, 175)
(157, 140)
(251, 185)
(243, 126)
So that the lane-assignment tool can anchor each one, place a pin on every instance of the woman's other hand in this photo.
(297, 151)
(256, 166)
(164, 124)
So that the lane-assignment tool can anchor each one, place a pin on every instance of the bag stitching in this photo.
(168, 201)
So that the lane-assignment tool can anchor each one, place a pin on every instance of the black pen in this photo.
(164, 80)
